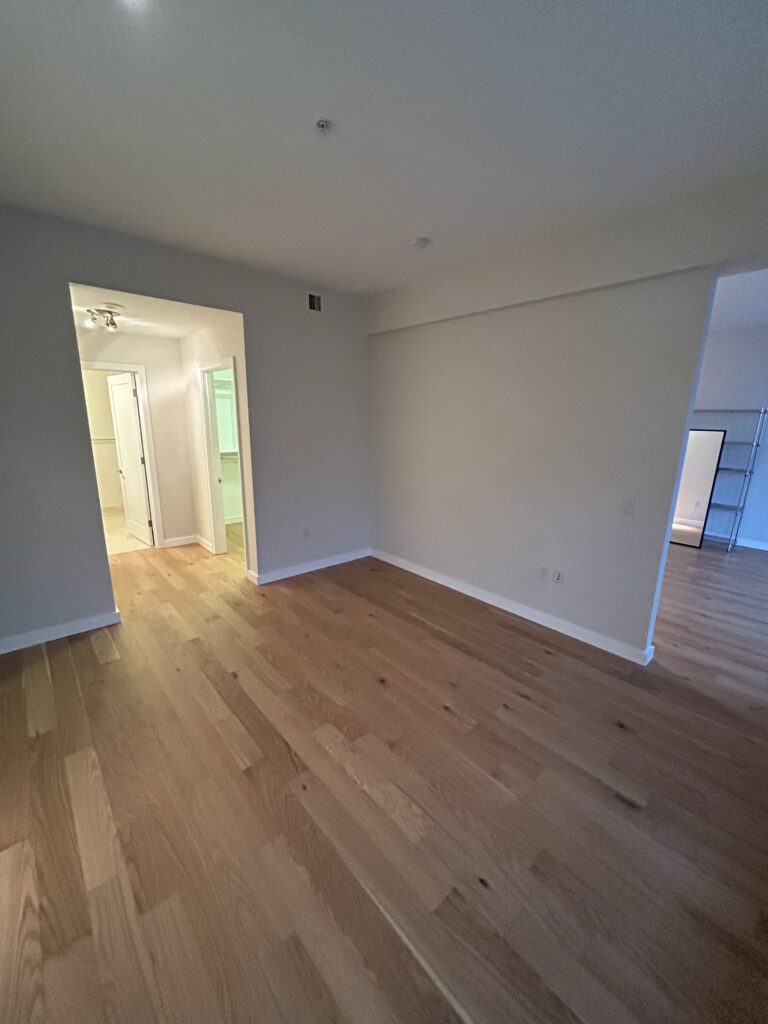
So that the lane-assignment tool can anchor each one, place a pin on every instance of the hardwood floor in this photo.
(236, 541)
(358, 796)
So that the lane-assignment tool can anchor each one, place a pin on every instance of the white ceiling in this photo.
(479, 124)
(741, 301)
(144, 315)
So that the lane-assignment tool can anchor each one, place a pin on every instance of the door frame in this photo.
(145, 424)
(211, 445)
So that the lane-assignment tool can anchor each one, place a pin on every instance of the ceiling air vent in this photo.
(315, 302)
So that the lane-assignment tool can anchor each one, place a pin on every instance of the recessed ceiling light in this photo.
(323, 125)
(420, 243)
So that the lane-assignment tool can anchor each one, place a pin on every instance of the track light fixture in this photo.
(104, 318)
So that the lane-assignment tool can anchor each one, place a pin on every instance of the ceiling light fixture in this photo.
(323, 125)
(103, 317)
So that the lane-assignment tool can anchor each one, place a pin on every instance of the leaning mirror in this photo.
(702, 457)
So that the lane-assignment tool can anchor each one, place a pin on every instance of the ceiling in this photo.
(478, 124)
(741, 302)
(144, 315)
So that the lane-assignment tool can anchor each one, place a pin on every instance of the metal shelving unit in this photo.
(735, 507)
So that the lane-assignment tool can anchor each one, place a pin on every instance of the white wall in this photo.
(701, 455)
(309, 414)
(508, 441)
(102, 438)
(734, 375)
(161, 359)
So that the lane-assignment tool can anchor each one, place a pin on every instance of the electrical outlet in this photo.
(558, 576)
(543, 573)
(628, 506)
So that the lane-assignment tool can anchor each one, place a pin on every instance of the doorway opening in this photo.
(718, 557)
(222, 447)
(165, 395)
(121, 455)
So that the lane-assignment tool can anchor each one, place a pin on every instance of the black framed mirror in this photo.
(697, 484)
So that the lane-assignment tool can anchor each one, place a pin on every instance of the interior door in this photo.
(130, 455)
(218, 525)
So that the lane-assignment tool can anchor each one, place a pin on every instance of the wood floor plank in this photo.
(94, 824)
(38, 687)
(14, 761)
(124, 968)
(72, 724)
(104, 646)
(185, 989)
(63, 907)
(21, 980)
(73, 991)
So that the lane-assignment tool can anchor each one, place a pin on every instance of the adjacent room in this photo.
(383, 512)
(723, 493)
(717, 562)
(163, 417)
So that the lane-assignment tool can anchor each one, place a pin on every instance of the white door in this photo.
(130, 455)
(213, 453)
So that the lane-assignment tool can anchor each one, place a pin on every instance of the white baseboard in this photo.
(42, 636)
(297, 570)
(742, 542)
(233, 519)
(638, 655)
(747, 542)
(178, 542)
(203, 544)
(688, 522)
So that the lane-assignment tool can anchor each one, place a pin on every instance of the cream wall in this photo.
(102, 433)
(161, 359)
(508, 441)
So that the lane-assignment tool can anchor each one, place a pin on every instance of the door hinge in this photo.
(134, 393)
(142, 461)
(149, 522)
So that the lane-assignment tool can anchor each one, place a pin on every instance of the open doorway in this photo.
(165, 394)
(222, 447)
(721, 505)
(120, 456)
(724, 484)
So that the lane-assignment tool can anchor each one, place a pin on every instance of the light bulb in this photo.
(112, 327)
(90, 323)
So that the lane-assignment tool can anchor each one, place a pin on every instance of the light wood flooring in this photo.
(356, 796)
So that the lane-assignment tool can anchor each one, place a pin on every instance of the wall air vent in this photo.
(315, 302)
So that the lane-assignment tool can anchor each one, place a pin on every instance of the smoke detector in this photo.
(420, 243)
